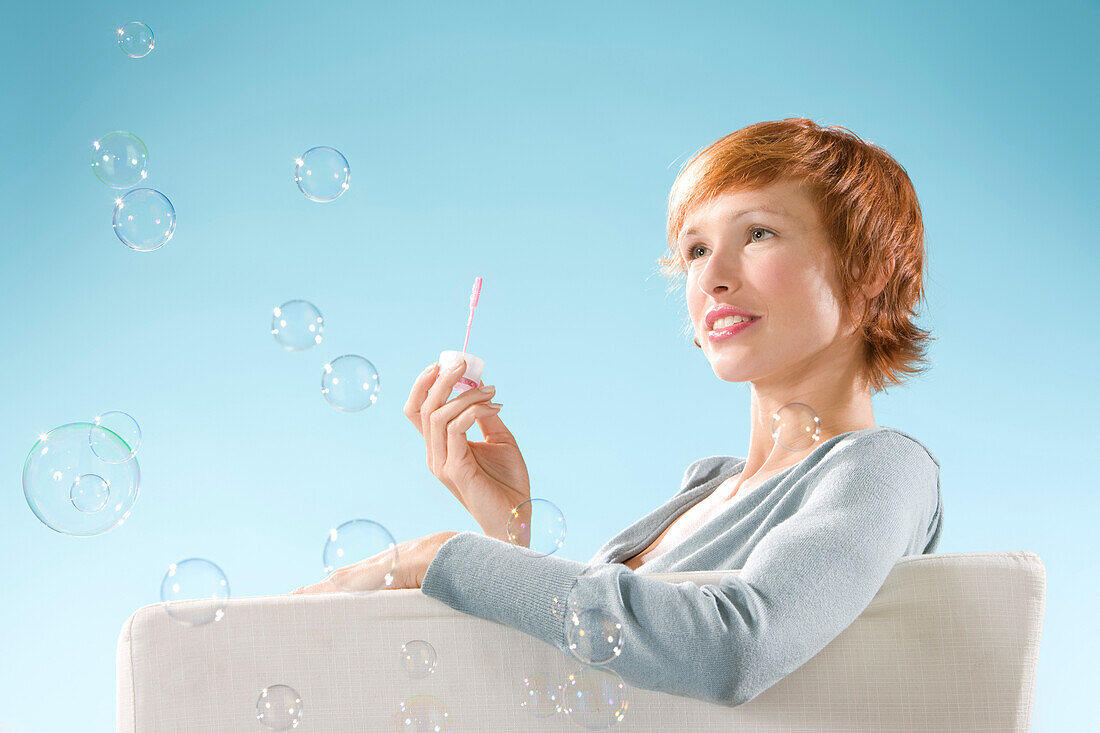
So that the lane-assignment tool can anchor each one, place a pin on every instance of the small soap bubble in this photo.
(594, 698)
(59, 486)
(796, 426)
(322, 173)
(144, 219)
(537, 527)
(195, 592)
(357, 540)
(297, 325)
(135, 39)
(350, 383)
(279, 707)
(120, 159)
(540, 697)
(418, 658)
(124, 440)
(422, 714)
(90, 492)
(594, 636)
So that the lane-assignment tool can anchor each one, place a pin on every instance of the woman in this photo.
(816, 237)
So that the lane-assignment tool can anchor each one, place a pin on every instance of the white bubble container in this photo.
(470, 378)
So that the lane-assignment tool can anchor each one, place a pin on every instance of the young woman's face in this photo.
(765, 252)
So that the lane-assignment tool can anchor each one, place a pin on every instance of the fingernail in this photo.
(495, 405)
(487, 389)
(457, 365)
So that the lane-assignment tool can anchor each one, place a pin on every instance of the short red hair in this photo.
(868, 207)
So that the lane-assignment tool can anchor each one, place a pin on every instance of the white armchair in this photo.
(950, 642)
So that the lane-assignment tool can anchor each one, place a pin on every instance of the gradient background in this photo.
(535, 147)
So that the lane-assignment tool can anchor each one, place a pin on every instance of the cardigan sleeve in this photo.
(804, 582)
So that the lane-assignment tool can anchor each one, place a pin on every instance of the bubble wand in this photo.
(473, 304)
(474, 365)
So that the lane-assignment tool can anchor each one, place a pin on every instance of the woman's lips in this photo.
(724, 333)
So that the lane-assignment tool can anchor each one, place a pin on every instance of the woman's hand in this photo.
(413, 559)
(489, 477)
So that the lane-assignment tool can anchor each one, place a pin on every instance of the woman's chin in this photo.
(728, 372)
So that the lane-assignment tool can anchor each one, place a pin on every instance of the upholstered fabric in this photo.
(949, 643)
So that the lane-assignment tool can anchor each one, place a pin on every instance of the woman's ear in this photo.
(877, 284)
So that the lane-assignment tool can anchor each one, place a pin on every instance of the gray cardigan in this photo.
(814, 544)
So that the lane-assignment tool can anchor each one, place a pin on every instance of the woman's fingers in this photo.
(419, 393)
(374, 573)
(455, 432)
(435, 434)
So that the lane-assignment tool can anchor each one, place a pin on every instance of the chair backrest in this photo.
(950, 642)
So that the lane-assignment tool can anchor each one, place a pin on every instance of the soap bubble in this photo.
(796, 426)
(537, 527)
(540, 697)
(594, 698)
(124, 440)
(350, 383)
(57, 491)
(144, 219)
(135, 39)
(322, 173)
(120, 159)
(418, 658)
(279, 707)
(297, 325)
(594, 637)
(195, 592)
(356, 540)
(422, 713)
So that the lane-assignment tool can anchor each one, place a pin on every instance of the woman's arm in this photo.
(806, 581)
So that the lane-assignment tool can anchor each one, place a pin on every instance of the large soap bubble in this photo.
(594, 636)
(195, 591)
(540, 697)
(279, 707)
(536, 527)
(350, 383)
(135, 39)
(594, 698)
(297, 325)
(71, 489)
(120, 159)
(356, 540)
(418, 657)
(144, 219)
(796, 426)
(322, 173)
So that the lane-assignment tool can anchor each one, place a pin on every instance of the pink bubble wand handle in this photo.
(473, 304)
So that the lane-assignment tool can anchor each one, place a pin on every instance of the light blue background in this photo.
(534, 146)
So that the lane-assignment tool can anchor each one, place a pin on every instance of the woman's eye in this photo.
(754, 230)
(752, 238)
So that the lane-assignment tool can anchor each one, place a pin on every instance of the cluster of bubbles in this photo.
(593, 697)
(350, 382)
(420, 712)
(83, 478)
(144, 218)
(195, 592)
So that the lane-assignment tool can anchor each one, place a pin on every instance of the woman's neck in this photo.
(842, 404)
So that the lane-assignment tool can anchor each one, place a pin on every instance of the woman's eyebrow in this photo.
(737, 215)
